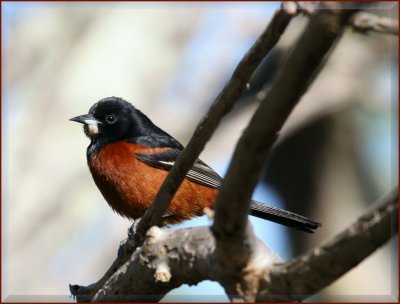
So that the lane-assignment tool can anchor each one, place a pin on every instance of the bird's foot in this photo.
(126, 245)
(132, 229)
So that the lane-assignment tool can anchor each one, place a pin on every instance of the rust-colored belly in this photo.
(129, 185)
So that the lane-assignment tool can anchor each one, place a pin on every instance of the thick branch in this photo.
(170, 258)
(301, 67)
(306, 275)
(167, 259)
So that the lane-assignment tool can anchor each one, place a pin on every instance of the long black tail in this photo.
(282, 217)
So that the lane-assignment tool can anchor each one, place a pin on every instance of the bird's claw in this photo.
(132, 229)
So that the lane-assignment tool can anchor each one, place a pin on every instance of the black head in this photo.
(109, 119)
(112, 119)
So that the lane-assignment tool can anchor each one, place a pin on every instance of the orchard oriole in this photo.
(129, 158)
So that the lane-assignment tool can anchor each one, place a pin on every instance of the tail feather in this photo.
(283, 217)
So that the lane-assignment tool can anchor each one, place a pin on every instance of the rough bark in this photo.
(169, 258)
(307, 274)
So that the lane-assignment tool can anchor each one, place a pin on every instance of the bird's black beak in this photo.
(91, 124)
(86, 119)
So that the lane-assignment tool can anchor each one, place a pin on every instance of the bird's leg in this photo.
(126, 245)
(132, 228)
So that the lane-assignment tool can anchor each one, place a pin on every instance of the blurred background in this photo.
(335, 156)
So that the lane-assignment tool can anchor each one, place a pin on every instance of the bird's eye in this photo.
(111, 119)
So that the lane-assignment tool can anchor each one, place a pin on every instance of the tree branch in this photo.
(232, 206)
(361, 22)
(307, 274)
(169, 258)
(365, 22)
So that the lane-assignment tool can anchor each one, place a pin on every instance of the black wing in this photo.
(200, 173)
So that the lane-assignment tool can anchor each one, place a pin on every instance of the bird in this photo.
(129, 157)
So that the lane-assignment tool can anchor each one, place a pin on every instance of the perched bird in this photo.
(129, 158)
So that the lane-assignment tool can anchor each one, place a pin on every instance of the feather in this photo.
(200, 173)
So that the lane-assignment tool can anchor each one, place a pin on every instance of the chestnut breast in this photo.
(130, 185)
